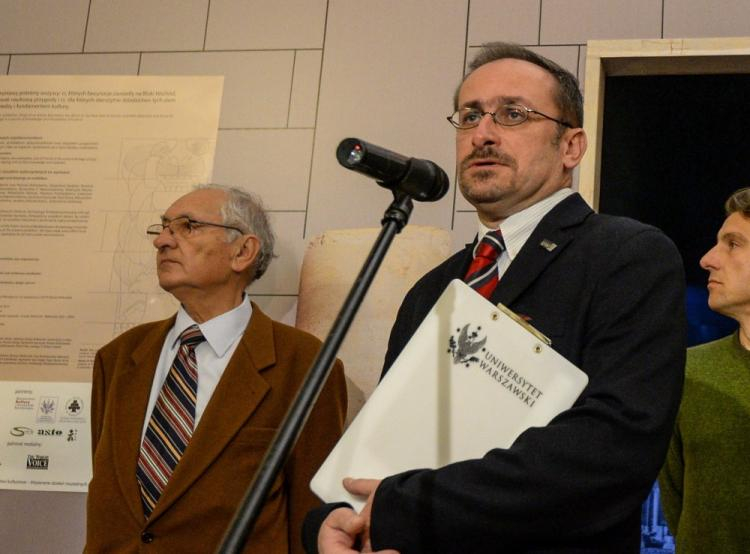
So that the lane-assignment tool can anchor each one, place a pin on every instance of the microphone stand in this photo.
(394, 219)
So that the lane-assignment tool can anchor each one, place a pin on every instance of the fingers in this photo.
(346, 520)
(338, 533)
(361, 487)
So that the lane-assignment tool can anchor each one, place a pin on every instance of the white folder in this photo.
(472, 378)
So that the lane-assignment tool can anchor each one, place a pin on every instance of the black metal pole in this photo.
(394, 219)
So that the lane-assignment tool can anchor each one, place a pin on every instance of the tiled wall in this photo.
(301, 75)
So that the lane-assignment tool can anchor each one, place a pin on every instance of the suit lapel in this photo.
(547, 241)
(459, 265)
(129, 409)
(238, 393)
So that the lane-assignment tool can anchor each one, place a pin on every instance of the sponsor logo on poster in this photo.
(24, 403)
(49, 432)
(37, 462)
(74, 407)
(74, 411)
(20, 431)
(47, 411)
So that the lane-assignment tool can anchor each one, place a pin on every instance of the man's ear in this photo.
(573, 146)
(246, 253)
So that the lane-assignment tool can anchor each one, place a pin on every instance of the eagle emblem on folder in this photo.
(467, 344)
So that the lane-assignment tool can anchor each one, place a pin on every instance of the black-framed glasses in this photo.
(507, 116)
(184, 226)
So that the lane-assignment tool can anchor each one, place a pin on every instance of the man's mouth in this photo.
(484, 163)
(487, 159)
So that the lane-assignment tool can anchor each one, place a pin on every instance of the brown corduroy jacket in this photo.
(227, 446)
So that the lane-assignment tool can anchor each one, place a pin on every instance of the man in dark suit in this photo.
(184, 409)
(608, 291)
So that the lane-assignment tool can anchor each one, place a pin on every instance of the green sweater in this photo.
(705, 482)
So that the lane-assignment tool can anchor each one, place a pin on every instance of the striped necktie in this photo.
(171, 424)
(482, 274)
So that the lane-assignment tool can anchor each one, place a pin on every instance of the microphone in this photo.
(421, 179)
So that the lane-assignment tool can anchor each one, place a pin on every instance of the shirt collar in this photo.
(221, 331)
(517, 228)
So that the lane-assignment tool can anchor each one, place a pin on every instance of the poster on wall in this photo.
(86, 164)
(48, 440)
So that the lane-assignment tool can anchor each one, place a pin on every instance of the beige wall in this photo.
(300, 75)
(303, 74)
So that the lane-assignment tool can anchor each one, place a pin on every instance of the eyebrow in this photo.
(733, 235)
(497, 101)
(165, 218)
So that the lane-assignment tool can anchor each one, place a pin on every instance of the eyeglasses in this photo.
(507, 116)
(184, 226)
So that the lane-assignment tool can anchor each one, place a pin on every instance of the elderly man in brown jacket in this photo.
(184, 409)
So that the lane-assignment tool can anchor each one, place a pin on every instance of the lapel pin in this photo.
(548, 245)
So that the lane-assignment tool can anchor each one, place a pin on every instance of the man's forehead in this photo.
(492, 102)
(507, 78)
(200, 203)
(736, 224)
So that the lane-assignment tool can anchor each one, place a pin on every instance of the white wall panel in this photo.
(257, 85)
(509, 20)
(582, 66)
(265, 24)
(304, 102)
(146, 25)
(75, 64)
(28, 26)
(699, 18)
(275, 164)
(34, 522)
(465, 228)
(282, 276)
(576, 21)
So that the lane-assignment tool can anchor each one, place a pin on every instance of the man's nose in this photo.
(486, 132)
(708, 261)
(165, 238)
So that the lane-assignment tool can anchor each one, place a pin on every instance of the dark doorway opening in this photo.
(674, 147)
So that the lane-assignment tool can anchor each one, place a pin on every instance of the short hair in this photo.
(245, 210)
(739, 201)
(569, 99)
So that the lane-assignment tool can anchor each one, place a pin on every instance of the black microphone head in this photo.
(421, 179)
(350, 152)
(372, 160)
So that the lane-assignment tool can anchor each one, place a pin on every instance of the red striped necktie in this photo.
(171, 424)
(482, 274)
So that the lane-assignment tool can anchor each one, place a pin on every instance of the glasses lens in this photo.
(154, 229)
(510, 115)
(468, 118)
(181, 226)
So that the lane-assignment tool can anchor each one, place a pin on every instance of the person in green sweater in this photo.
(705, 482)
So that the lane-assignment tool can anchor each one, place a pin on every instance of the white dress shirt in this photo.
(222, 333)
(517, 228)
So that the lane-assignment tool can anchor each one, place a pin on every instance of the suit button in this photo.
(147, 537)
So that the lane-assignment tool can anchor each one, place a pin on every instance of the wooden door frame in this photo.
(695, 56)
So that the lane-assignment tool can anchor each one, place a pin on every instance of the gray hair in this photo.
(569, 99)
(739, 201)
(245, 210)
